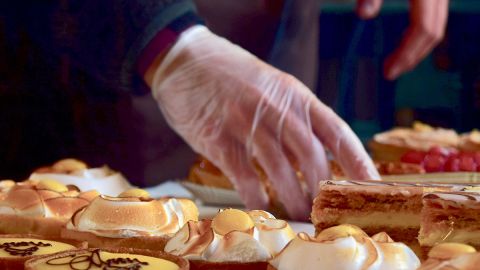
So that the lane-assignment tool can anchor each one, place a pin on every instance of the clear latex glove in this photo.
(428, 19)
(233, 109)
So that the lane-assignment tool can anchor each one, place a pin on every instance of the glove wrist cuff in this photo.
(186, 38)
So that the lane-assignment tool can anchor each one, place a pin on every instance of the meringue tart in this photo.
(15, 249)
(345, 247)
(119, 258)
(392, 144)
(132, 219)
(233, 239)
(40, 207)
(75, 172)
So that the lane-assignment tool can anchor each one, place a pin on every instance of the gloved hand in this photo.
(233, 109)
(428, 19)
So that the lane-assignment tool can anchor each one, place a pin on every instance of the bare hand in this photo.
(428, 20)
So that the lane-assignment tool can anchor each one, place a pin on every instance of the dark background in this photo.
(51, 110)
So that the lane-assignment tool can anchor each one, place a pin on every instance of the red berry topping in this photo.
(453, 152)
(438, 150)
(476, 158)
(434, 163)
(415, 157)
(467, 163)
(452, 164)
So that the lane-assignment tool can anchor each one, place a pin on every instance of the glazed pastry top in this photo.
(23, 247)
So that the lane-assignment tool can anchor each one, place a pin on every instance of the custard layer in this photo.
(449, 235)
(402, 220)
(22, 247)
(106, 260)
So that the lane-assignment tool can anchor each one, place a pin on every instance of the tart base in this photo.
(13, 224)
(156, 243)
(182, 263)
(204, 265)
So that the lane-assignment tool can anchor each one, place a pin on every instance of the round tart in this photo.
(40, 207)
(345, 247)
(76, 172)
(119, 258)
(233, 239)
(392, 144)
(15, 249)
(130, 220)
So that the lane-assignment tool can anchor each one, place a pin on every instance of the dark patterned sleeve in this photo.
(112, 40)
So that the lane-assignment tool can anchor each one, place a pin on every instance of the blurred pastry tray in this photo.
(450, 177)
(219, 196)
(212, 195)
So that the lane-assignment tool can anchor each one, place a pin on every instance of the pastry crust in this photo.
(14, 263)
(383, 167)
(204, 265)
(47, 227)
(140, 242)
(182, 263)
(203, 172)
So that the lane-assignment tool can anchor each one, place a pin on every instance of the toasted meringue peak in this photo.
(340, 231)
(260, 215)
(75, 172)
(53, 185)
(445, 251)
(134, 192)
(232, 220)
(382, 237)
(132, 216)
(232, 236)
(237, 246)
(420, 137)
(192, 240)
(345, 247)
(421, 127)
(6, 184)
(68, 165)
(89, 195)
(43, 199)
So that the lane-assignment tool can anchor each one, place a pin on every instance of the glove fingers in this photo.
(234, 163)
(280, 173)
(307, 151)
(343, 143)
(286, 116)
(311, 161)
